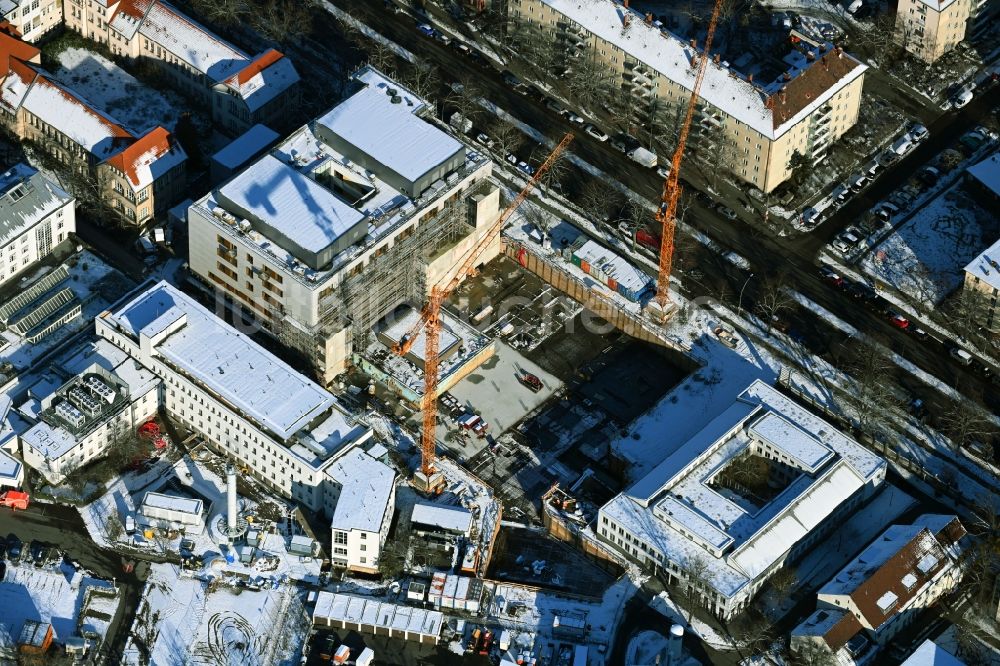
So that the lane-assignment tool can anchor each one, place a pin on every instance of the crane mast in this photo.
(430, 316)
(666, 214)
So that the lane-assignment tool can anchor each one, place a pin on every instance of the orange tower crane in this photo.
(666, 215)
(430, 316)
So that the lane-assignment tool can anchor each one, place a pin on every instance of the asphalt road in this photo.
(794, 255)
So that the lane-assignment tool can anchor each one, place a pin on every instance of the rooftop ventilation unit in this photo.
(100, 389)
(84, 401)
(70, 413)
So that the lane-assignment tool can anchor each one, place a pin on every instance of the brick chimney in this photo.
(786, 76)
(649, 19)
(750, 78)
(716, 58)
(625, 4)
(694, 43)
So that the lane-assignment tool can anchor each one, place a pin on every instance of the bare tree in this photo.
(598, 199)
(873, 392)
(465, 97)
(966, 421)
(773, 299)
(783, 580)
(693, 582)
(422, 78)
(382, 57)
(506, 136)
(283, 20)
(222, 12)
(113, 528)
(812, 654)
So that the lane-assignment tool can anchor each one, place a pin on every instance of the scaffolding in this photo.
(389, 279)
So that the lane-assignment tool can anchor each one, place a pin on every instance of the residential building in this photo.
(749, 127)
(36, 215)
(757, 487)
(361, 210)
(982, 285)
(439, 525)
(291, 434)
(79, 421)
(139, 177)
(886, 587)
(32, 19)
(930, 28)
(931, 654)
(239, 89)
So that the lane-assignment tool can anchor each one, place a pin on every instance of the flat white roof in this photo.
(366, 488)
(241, 149)
(452, 518)
(291, 203)
(349, 608)
(986, 266)
(780, 433)
(227, 362)
(987, 172)
(931, 654)
(172, 503)
(612, 265)
(390, 133)
(51, 443)
(10, 467)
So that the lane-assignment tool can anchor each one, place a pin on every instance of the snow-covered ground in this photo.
(663, 604)
(926, 256)
(115, 91)
(49, 594)
(185, 620)
(649, 647)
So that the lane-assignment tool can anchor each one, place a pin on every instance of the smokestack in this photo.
(674, 652)
(231, 514)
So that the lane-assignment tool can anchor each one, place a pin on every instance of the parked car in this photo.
(726, 337)
(841, 194)
(961, 98)
(663, 171)
(858, 182)
(728, 212)
(484, 139)
(595, 133)
(553, 105)
(918, 133)
(872, 168)
(899, 321)
(511, 158)
(860, 291)
(426, 30)
(532, 382)
(526, 168)
(885, 211)
(929, 176)
(960, 355)
(845, 241)
(575, 119)
(443, 38)
(831, 276)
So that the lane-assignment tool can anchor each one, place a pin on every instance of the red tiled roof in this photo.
(889, 577)
(155, 141)
(802, 90)
(259, 64)
(845, 629)
(12, 47)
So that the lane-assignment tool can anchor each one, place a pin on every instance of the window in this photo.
(340, 551)
(340, 537)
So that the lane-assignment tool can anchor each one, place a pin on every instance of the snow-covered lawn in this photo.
(184, 620)
(663, 604)
(649, 647)
(115, 91)
(926, 256)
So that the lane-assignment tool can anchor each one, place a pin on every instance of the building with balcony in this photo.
(885, 588)
(291, 434)
(762, 124)
(36, 215)
(930, 28)
(756, 488)
(359, 211)
(240, 90)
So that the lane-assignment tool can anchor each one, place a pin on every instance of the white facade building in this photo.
(355, 213)
(35, 216)
(691, 512)
(292, 434)
(32, 18)
(172, 512)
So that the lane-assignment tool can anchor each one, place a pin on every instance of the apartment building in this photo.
(248, 405)
(32, 19)
(355, 213)
(700, 509)
(241, 90)
(138, 177)
(885, 588)
(79, 421)
(36, 215)
(982, 283)
(930, 28)
(757, 125)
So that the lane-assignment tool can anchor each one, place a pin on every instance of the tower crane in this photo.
(666, 214)
(430, 315)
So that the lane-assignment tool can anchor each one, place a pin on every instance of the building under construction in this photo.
(356, 213)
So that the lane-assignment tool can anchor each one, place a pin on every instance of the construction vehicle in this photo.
(15, 499)
(667, 212)
(532, 382)
(430, 322)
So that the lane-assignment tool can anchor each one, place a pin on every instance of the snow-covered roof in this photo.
(263, 79)
(227, 362)
(26, 198)
(402, 320)
(244, 147)
(939, 5)
(66, 111)
(10, 467)
(366, 488)
(931, 654)
(192, 43)
(390, 133)
(722, 87)
(154, 500)
(986, 266)
(987, 173)
(451, 518)
(150, 157)
(330, 436)
(612, 265)
(783, 435)
(678, 510)
(48, 441)
(289, 202)
(333, 608)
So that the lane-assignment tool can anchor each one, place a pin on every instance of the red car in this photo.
(899, 321)
(531, 381)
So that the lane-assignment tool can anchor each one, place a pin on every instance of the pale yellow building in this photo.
(930, 28)
(810, 105)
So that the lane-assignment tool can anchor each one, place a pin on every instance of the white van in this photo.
(902, 145)
(962, 356)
